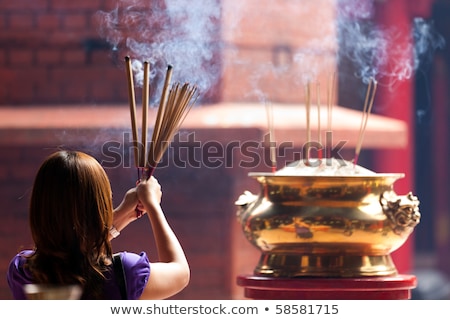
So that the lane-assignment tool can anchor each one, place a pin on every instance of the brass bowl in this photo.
(327, 226)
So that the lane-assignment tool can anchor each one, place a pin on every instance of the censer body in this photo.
(326, 226)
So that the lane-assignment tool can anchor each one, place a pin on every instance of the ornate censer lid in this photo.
(330, 169)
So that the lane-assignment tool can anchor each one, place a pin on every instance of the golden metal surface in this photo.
(343, 226)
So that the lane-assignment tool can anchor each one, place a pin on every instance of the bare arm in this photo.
(125, 213)
(171, 273)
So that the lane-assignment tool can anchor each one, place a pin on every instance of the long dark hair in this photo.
(70, 215)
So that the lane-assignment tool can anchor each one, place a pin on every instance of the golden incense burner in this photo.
(326, 226)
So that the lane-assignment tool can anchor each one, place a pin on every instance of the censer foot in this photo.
(289, 265)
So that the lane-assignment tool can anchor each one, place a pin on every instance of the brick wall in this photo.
(50, 52)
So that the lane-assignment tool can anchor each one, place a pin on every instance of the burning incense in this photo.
(308, 120)
(330, 102)
(272, 144)
(368, 103)
(319, 138)
(132, 109)
(173, 108)
(145, 101)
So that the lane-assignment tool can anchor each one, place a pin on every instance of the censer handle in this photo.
(402, 211)
(243, 202)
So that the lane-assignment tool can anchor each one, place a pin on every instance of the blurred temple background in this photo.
(63, 85)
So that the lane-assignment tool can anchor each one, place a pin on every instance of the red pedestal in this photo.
(369, 288)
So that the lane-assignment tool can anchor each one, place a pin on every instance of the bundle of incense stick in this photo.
(169, 119)
(368, 103)
(175, 103)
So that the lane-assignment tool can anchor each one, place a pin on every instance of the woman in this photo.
(72, 222)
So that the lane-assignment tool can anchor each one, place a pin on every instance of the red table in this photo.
(396, 287)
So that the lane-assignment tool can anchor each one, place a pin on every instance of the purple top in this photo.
(136, 268)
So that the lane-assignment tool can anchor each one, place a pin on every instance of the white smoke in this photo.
(187, 35)
(171, 32)
(384, 54)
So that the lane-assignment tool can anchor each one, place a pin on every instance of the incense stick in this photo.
(132, 101)
(330, 102)
(308, 121)
(145, 101)
(368, 103)
(272, 145)
(319, 138)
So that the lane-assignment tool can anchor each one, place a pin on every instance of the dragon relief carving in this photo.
(401, 211)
